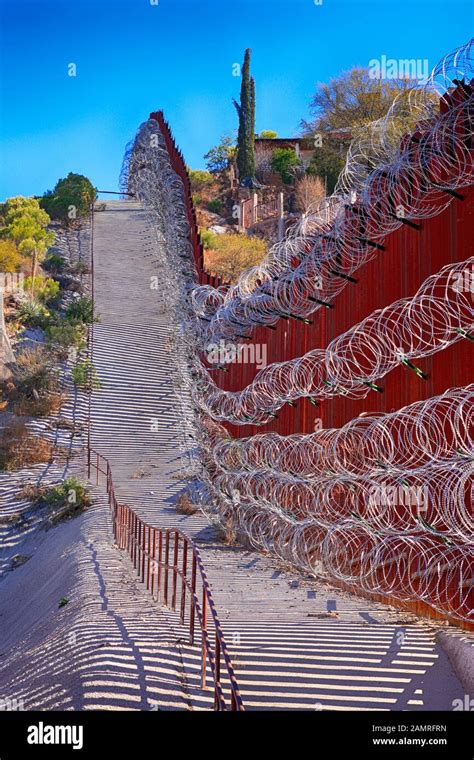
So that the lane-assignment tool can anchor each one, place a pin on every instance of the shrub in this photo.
(215, 205)
(43, 406)
(71, 198)
(283, 161)
(26, 224)
(33, 387)
(10, 257)
(54, 263)
(32, 313)
(20, 448)
(219, 157)
(84, 375)
(80, 267)
(208, 238)
(268, 134)
(45, 289)
(81, 310)
(232, 254)
(200, 179)
(184, 504)
(63, 500)
(33, 373)
(327, 163)
(226, 533)
(309, 191)
(66, 335)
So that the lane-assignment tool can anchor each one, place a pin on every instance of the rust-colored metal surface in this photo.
(409, 256)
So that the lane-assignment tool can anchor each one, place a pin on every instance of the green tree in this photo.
(341, 110)
(70, 199)
(352, 100)
(246, 134)
(327, 163)
(283, 160)
(268, 134)
(219, 157)
(10, 259)
(25, 223)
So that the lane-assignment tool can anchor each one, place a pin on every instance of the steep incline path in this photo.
(296, 643)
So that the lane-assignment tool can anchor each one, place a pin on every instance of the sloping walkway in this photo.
(296, 643)
(77, 630)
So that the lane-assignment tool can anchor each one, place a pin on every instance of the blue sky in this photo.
(133, 57)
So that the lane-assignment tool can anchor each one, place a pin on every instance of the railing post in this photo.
(192, 611)
(109, 488)
(183, 582)
(129, 532)
(281, 214)
(123, 527)
(167, 560)
(218, 672)
(153, 574)
(204, 648)
(88, 463)
(116, 524)
(136, 534)
(160, 560)
(254, 208)
(175, 569)
(97, 465)
(148, 558)
(142, 573)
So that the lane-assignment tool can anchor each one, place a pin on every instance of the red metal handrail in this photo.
(150, 549)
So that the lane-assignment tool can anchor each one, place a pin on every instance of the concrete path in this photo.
(289, 648)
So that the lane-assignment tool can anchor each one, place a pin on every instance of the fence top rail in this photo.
(205, 581)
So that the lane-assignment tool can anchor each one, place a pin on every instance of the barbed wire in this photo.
(383, 504)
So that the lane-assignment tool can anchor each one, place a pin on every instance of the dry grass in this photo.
(32, 492)
(184, 504)
(309, 192)
(226, 533)
(20, 448)
(41, 406)
(64, 424)
(32, 389)
(11, 520)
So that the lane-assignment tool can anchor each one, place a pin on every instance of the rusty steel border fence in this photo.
(166, 560)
